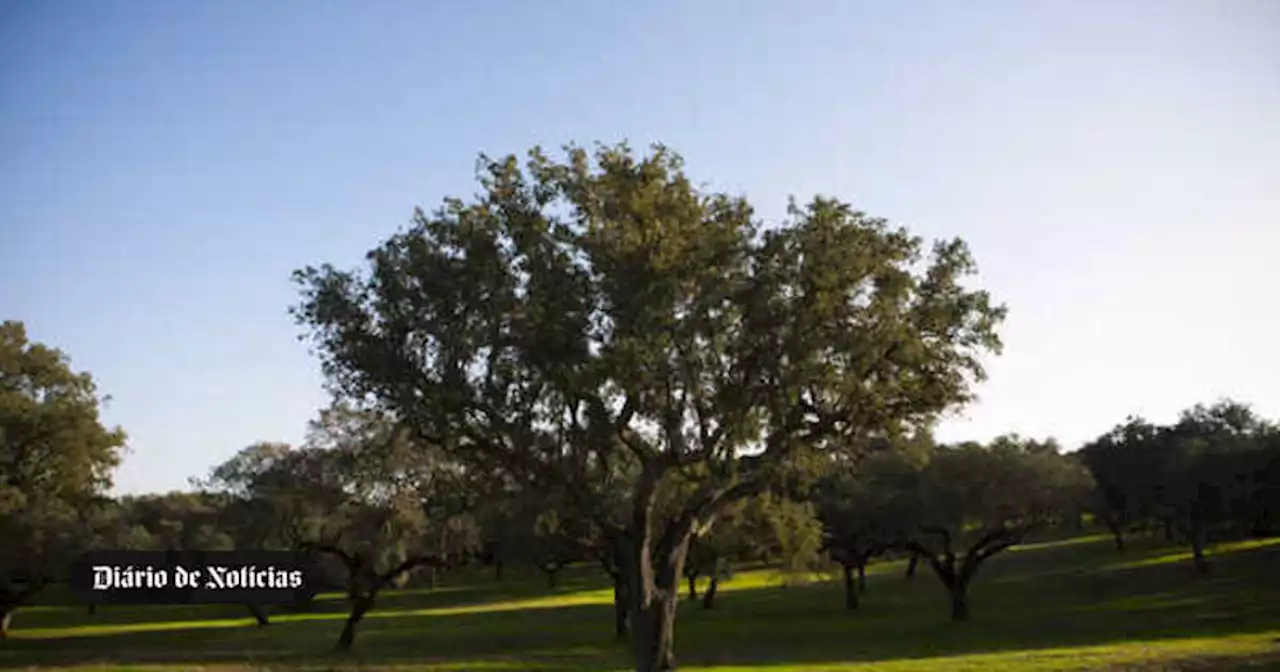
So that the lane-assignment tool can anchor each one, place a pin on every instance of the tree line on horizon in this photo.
(594, 361)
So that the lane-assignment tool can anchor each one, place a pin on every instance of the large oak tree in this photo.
(602, 308)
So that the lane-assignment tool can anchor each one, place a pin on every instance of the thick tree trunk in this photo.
(850, 589)
(6, 617)
(862, 576)
(655, 564)
(653, 582)
(621, 608)
(258, 614)
(709, 597)
(911, 565)
(653, 634)
(693, 587)
(959, 591)
(552, 577)
(359, 608)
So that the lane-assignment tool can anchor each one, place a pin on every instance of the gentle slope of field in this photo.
(1073, 604)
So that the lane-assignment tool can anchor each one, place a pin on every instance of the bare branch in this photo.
(409, 564)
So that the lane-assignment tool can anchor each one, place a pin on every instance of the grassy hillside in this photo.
(1073, 604)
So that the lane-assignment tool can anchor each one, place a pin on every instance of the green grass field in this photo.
(1072, 604)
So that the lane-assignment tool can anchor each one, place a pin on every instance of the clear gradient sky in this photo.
(1114, 165)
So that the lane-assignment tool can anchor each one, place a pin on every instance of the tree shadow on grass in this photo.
(806, 625)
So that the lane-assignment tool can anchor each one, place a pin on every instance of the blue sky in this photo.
(1114, 165)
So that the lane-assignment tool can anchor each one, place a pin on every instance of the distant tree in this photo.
(976, 501)
(597, 496)
(582, 309)
(1211, 458)
(711, 555)
(1205, 475)
(866, 508)
(179, 521)
(56, 458)
(1122, 463)
(558, 538)
(248, 522)
(503, 516)
(374, 500)
(795, 542)
(186, 521)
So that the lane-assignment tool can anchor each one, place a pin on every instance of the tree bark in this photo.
(258, 614)
(693, 586)
(653, 634)
(359, 608)
(552, 574)
(911, 565)
(850, 589)
(709, 597)
(862, 576)
(11, 599)
(621, 608)
(653, 575)
(6, 617)
(959, 591)
(654, 569)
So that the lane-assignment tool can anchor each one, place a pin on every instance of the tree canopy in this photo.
(601, 307)
(1212, 470)
(56, 459)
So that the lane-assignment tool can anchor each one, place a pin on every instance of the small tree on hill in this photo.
(976, 501)
(865, 508)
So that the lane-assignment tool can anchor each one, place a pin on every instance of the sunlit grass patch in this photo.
(469, 665)
(1147, 602)
(123, 628)
(1057, 543)
(1220, 649)
(1185, 556)
(549, 602)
